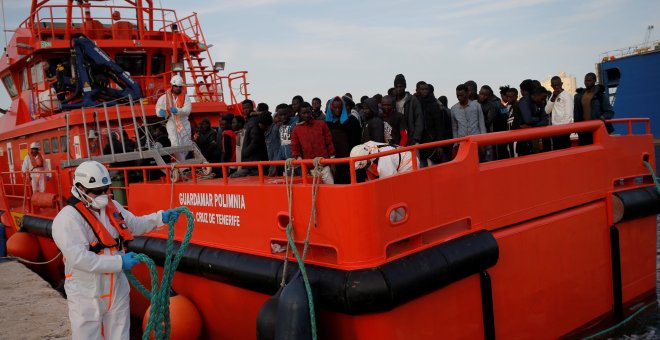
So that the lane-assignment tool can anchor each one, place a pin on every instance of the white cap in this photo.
(35, 145)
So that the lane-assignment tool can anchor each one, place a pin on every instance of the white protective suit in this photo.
(38, 179)
(96, 287)
(391, 164)
(178, 126)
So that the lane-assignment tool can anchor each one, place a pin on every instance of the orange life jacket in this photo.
(36, 162)
(179, 100)
(104, 238)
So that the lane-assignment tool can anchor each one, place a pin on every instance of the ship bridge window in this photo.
(10, 86)
(37, 73)
(157, 64)
(46, 146)
(24, 79)
(63, 143)
(135, 64)
(54, 146)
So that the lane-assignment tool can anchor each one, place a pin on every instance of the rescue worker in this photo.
(33, 165)
(91, 232)
(384, 166)
(175, 106)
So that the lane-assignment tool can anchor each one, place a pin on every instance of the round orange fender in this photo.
(25, 246)
(184, 318)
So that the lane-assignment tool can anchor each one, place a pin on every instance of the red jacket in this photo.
(312, 139)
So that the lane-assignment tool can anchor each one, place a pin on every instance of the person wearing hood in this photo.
(346, 132)
(409, 106)
(254, 145)
(437, 125)
(373, 128)
(495, 116)
(592, 104)
(206, 141)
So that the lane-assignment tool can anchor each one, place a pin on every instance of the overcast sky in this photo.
(326, 48)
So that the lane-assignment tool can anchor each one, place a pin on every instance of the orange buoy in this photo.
(184, 318)
(24, 245)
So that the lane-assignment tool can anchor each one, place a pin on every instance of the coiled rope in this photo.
(316, 180)
(159, 315)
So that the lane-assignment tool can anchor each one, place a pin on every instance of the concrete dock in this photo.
(29, 307)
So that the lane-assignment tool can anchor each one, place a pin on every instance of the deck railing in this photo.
(465, 146)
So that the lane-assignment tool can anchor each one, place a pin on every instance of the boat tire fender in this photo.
(636, 203)
(38, 226)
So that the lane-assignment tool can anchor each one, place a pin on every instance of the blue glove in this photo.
(170, 215)
(173, 110)
(162, 113)
(128, 261)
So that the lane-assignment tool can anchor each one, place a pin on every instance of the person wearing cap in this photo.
(91, 231)
(411, 109)
(34, 166)
(385, 166)
(175, 106)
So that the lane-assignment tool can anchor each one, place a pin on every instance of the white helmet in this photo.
(35, 145)
(360, 150)
(91, 174)
(176, 80)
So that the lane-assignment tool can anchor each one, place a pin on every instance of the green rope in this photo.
(605, 331)
(289, 169)
(159, 315)
(655, 179)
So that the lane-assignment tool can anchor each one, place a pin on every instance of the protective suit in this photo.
(384, 166)
(33, 164)
(177, 109)
(97, 289)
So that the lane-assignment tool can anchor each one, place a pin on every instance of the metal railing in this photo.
(109, 22)
(465, 146)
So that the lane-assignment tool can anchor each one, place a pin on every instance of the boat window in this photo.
(46, 146)
(9, 85)
(63, 143)
(133, 63)
(24, 79)
(54, 146)
(157, 64)
(37, 73)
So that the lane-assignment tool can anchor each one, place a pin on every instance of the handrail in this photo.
(479, 140)
(45, 15)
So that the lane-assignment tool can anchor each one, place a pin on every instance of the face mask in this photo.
(100, 202)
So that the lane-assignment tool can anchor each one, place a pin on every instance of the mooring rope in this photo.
(159, 315)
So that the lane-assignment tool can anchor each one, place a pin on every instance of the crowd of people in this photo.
(306, 130)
